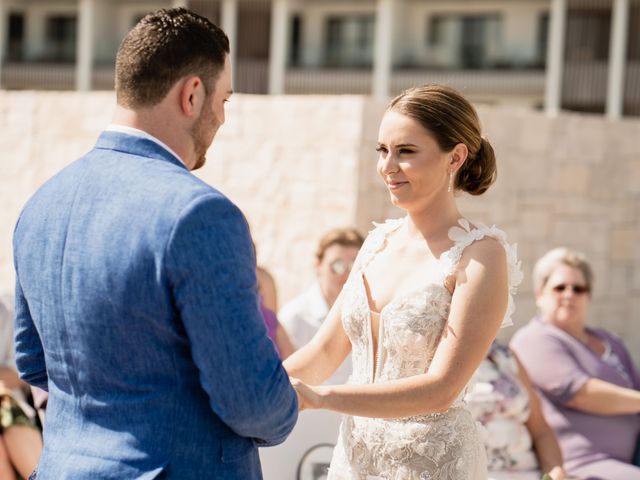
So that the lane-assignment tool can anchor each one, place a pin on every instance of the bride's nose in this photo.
(388, 164)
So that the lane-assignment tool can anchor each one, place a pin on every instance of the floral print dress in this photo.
(501, 403)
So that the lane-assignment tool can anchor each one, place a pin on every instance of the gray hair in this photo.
(560, 256)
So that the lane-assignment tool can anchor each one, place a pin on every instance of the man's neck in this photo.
(149, 121)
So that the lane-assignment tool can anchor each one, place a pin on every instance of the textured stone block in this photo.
(299, 165)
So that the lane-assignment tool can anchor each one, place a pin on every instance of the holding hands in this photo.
(309, 397)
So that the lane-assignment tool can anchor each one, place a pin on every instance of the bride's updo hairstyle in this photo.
(451, 119)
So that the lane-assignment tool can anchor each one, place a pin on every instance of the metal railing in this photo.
(327, 81)
(584, 84)
(51, 76)
(508, 82)
(38, 76)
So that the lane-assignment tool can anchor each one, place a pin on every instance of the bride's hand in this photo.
(308, 396)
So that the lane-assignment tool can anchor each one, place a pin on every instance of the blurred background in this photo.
(581, 55)
(556, 82)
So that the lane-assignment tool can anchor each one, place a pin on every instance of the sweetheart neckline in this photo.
(421, 286)
(376, 346)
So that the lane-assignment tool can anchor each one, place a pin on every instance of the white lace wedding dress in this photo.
(440, 446)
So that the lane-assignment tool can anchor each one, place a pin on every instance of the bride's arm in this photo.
(478, 306)
(321, 357)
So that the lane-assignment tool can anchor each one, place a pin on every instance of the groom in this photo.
(135, 285)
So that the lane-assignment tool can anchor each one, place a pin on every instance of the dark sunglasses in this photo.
(339, 266)
(577, 289)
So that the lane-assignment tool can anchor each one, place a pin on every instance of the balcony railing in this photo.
(478, 83)
(250, 75)
(51, 76)
(327, 81)
(528, 84)
(584, 84)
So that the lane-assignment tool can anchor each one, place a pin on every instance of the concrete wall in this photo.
(301, 165)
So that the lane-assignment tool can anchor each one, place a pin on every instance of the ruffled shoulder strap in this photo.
(375, 241)
(464, 235)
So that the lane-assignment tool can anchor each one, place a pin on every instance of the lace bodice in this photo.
(410, 329)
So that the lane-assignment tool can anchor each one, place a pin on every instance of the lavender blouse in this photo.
(559, 365)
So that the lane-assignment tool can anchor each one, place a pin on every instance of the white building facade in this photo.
(576, 54)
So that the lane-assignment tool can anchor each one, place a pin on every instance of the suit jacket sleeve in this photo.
(29, 353)
(211, 269)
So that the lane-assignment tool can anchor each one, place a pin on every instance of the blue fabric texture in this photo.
(137, 309)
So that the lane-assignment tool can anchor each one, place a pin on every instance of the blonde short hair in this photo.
(560, 256)
(346, 237)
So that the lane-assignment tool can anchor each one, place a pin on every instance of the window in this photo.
(436, 30)
(465, 41)
(349, 41)
(61, 38)
(588, 32)
(15, 36)
(481, 35)
(296, 40)
(633, 40)
(543, 38)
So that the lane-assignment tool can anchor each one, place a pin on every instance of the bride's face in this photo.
(411, 163)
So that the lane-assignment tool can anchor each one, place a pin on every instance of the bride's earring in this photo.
(450, 189)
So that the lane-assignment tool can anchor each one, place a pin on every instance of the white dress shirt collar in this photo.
(114, 127)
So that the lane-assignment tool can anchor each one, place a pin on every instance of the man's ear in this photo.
(192, 96)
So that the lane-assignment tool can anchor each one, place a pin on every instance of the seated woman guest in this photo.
(20, 440)
(268, 307)
(520, 444)
(586, 376)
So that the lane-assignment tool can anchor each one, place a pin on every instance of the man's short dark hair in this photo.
(164, 47)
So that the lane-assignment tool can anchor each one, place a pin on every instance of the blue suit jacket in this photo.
(136, 309)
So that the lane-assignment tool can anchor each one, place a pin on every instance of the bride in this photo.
(422, 305)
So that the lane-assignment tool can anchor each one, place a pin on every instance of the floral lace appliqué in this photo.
(441, 446)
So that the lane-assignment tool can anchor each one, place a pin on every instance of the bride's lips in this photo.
(396, 185)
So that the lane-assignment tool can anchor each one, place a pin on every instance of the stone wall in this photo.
(298, 166)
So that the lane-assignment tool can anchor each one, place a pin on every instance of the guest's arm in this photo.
(267, 287)
(285, 347)
(554, 369)
(603, 398)
(545, 443)
(10, 379)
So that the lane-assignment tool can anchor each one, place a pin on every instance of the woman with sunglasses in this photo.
(588, 383)
(424, 300)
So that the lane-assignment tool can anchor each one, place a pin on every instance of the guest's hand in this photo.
(308, 397)
(556, 473)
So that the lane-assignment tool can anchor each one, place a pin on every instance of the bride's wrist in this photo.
(325, 396)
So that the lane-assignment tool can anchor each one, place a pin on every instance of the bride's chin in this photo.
(397, 202)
